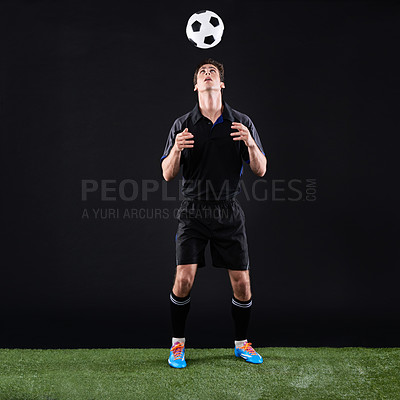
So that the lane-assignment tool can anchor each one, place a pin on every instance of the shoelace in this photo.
(177, 350)
(247, 347)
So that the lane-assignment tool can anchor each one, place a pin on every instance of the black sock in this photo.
(179, 310)
(241, 317)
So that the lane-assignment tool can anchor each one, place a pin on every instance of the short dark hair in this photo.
(216, 64)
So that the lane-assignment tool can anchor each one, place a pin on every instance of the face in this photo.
(208, 79)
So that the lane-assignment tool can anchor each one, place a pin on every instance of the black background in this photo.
(89, 90)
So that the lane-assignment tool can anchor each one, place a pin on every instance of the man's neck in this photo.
(210, 104)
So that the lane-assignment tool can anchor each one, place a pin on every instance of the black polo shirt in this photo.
(213, 167)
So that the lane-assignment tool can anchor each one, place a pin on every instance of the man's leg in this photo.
(180, 298)
(241, 302)
(180, 305)
(184, 279)
(241, 309)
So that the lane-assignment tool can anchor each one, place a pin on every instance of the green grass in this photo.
(124, 374)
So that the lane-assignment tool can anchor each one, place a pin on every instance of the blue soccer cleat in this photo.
(249, 354)
(177, 356)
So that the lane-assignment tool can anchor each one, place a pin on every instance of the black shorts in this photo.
(220, 222)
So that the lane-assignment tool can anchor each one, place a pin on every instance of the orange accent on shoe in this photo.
(177, 350)
(247, 347)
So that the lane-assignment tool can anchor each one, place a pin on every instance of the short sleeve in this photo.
(243, 148)
(175, 129)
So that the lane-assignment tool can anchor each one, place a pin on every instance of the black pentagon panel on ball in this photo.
(214, 21)
(209, 39)
(201, 12)
(196, 26)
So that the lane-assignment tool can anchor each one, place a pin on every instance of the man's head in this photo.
(209, 74)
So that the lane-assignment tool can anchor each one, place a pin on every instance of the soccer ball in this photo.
(204, 29)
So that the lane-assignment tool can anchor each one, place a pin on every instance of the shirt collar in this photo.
(196, 115)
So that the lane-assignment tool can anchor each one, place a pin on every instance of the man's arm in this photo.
(258, 161)
(171, 164)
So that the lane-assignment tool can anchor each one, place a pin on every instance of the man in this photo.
(210, 143)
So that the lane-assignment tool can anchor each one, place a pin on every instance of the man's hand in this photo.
(242, 134)
(182, 140)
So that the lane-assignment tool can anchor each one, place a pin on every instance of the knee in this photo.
(185, 281)
(183, 285)
(242, 290)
